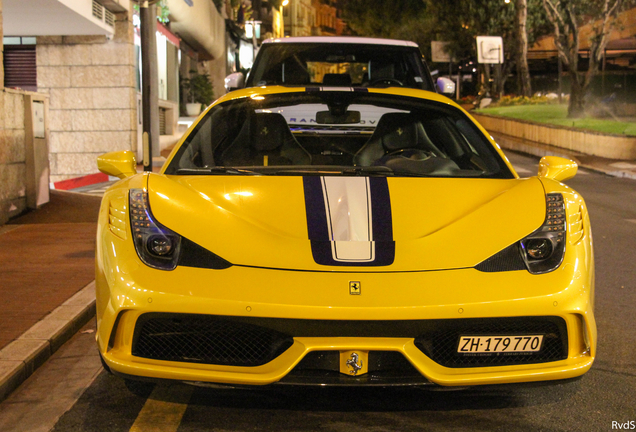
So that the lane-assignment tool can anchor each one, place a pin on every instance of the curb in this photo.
(23, 356)
(616, 173)
(532, 148)
(76, 182)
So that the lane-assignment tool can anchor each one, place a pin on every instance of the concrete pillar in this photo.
(91, 81)
(1, 50)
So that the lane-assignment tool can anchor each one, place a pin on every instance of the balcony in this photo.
(60, 17)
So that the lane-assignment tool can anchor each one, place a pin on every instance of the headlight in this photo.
(543, 250)
(156, 245)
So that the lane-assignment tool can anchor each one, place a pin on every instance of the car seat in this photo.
(265, 139)
(395, 131)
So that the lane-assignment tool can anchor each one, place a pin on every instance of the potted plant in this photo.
(198, 90)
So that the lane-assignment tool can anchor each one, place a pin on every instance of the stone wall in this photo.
(92, 87)
(576, 140)
(12, 155)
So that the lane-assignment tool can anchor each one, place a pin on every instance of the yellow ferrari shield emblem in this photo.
(355, 287)
(354, 363)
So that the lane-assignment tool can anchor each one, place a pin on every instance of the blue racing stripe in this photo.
(318, 230)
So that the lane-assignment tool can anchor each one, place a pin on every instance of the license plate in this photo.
(500, 344)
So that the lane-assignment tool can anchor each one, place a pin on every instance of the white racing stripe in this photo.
(349, 218)
(336, 89)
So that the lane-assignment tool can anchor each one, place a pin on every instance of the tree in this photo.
(567, 18)
(460, 21)
(523, 72)
(455, 21)
(399, 19)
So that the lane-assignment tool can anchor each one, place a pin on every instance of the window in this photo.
(20, 67)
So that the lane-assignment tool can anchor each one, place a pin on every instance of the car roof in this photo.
(341, 39)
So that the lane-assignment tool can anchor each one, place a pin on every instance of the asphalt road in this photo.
(72, 393)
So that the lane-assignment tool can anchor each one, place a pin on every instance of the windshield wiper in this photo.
(327, 170)
(216, 170)
(322, 170)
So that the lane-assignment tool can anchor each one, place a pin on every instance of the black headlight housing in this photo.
(156, 245)
(544, 249)
(540, 252)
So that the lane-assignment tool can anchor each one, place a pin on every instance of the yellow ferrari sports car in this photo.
(343, 236)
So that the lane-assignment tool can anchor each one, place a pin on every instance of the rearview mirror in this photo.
(446, 86)
(119, 164)
(557, 168)
(349, 117)
(234, 81)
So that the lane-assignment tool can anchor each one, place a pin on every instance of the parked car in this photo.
(324, 235)
(338, 61)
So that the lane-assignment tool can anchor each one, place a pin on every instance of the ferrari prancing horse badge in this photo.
(354, 287)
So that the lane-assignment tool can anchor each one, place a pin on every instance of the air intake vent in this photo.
(162, 121)
(103, 14)
(109, 18)
(206, 339)
(441, 344)
(576, 226)
(20, 70)
(98, 11)
(117, 217)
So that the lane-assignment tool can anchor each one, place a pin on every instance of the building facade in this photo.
(85, 55)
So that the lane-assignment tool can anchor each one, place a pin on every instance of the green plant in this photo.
(198, 88)
(524, 100)
(162, 11)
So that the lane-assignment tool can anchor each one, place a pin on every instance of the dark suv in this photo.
(337, 62)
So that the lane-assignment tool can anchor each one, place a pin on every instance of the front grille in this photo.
(206, 339)
(247, 341)
(441, 344)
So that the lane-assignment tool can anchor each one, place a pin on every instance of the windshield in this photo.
(339, 64)
(337, 133)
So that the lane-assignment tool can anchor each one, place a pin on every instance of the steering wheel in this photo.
(385, 81)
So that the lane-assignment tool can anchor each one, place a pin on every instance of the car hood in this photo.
(348, 223)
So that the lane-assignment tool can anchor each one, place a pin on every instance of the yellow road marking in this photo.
(163, 410)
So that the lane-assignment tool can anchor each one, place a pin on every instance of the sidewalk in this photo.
(47, 265)
(47, 268)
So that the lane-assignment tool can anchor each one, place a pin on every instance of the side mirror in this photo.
(234, 81)
(557, 168)
(119, 164)
(446, 86)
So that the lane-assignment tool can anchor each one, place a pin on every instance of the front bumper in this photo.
(468, 294)
(119, 359)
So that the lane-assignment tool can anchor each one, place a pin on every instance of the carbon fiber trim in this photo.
(509, 259)
(193, 255)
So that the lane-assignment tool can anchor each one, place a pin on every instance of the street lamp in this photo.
(281, 26)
